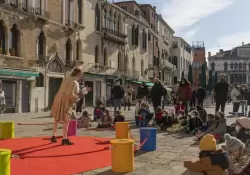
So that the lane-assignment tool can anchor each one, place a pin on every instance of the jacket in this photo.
(200, 93)
(117, 92)
(220, 91)
(235, 95)
(214, 164)
(142, 92)
(185, 92)
(157, 92)
(221, 127)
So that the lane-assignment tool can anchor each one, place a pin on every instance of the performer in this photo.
(63, 104)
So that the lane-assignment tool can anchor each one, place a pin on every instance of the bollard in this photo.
(7, 130)
(122, 130)
(5, 161)
(150, 134)
(72, 128)
(122, 155)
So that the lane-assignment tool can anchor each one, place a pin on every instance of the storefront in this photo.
(16, 85)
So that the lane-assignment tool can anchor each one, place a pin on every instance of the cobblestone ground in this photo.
(172, 149)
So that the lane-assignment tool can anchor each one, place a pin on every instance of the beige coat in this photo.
(127, 92)
(65, 99)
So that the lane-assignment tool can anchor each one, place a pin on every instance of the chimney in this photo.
(242, 43)
(209, 54)
(221, 50)
(154, 7)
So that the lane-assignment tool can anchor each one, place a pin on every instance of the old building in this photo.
(181, 56)
(234, 63)
(42, 36)
(114, 47)
(147, 13)
(167, 68)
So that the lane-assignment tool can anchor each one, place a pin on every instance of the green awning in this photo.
(150, 84)
(96, 75)
(18, 73)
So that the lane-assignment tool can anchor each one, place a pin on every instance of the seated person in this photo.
(193, 122)
(118, 117)
(144, 115)
(158, 116)
(84, 120)
(98, 111)
(203, 113)
(106, 120)
(180, 107)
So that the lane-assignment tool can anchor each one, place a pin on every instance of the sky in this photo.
(221, 24)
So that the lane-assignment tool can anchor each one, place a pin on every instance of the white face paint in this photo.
(237, 128)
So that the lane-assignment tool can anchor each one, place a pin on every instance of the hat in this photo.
(233, 144)
(244, 122)
(208, 143)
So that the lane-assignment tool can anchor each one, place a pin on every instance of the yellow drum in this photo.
(7, 130)
(5, 161)
(122, 130)
(122, 155)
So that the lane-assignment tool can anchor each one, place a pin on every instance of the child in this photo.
(194, 121)
(212, 161)
(238, 155)
(144, 115)
(203, 113)
(220, 127)
(180, 107)
(98, 111)
(158, 116)
(209, 125)
(118, 117)
(106, 120)
(84, 120)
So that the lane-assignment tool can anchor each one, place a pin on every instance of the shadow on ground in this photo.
(110, 172)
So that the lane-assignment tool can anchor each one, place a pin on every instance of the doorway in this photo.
(89, 96)
(10, 91)
(54, 85)
(25, 96)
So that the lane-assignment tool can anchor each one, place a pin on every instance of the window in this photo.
(14, 41)
(105, 18)
(41, 44)
(175, 44)
(97, 18)
(231, 65)
(133, 34)
(149, 37)
(68, 50)
(142, 68)
(235, 66)
(69, 11)
(125, 8)
(14, 3)
(240, 66)
(212, 66)
(175, 61)
(38, 7)
(79, 11)
(110, 25)
(40, 80)
(78, 50)
(137, 36)
(119, 24)
(225, 66)
(144, 40)
(244, 66)
(114, 22)
(119, 61)
(96, 54)
(156, 43)
(2, 37)
(105, 57)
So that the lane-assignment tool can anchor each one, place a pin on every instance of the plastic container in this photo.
(150, 134)
(7, 130)
(122, 155)
(72, 128)
(122, 130)
(5, 161)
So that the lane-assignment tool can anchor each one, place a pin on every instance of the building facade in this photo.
(234, 64)
(115, 47)
(167, 68)
(42, 45)
(182, 56)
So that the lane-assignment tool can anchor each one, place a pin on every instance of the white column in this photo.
(19, 97)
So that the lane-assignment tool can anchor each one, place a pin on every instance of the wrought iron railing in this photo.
(35, 10)
(114, 33)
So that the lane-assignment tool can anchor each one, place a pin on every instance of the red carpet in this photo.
(40, 157)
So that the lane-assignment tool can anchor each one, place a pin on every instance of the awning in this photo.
(96, 75)
(18, 73)
(150, 84)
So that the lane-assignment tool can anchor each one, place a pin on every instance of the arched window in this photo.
(142, 68)
(96, 54)
(14, 41)
(114, 22)
(40, 80)
(3, 36)
(68, 50)
(240, 66)
(110, 25)
(105, 55)
(133, 64)
(41, 45)
(119, 61)
(97, 18)
(244, 66)
(225, 66)
(119, 24)
(231, 65)
(105, 18)
(79, 11)
(78, 50)
(133, 34)
(235, 66)
(126, 65)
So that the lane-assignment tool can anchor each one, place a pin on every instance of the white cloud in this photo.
(183, 13)
(229, 41)
(190, 34)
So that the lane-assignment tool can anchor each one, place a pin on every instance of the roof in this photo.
(127, 2)
(165, 23)
(177, 37)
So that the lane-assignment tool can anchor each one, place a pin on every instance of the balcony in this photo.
(38, 12)
(11, 3)
(114, 36)
(132, 74)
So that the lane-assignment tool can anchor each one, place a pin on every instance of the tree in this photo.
(190, 74)
(210, 84)
(203, 76)
(215, 78)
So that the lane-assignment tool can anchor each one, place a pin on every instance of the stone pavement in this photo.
(172, 149)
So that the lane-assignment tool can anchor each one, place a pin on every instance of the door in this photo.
(54, 85)
(10, 90)
(25, 96)
(89, 96)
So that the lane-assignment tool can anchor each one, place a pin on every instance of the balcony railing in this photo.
(70, 23)
(132, 74)
(38, 11)
(114, 36)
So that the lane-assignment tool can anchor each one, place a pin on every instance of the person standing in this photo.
(157, 92)
(244, 95)
(117, 94)
(201, 93)
(220, 94)
(194, 95)
(142, 91)
(128, 97)
(2, 101)
(236, 97)
(64, 101)
(185, 92)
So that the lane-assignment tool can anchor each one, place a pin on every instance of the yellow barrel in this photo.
(121, 129)
(7, 130)
(122, 155)
(5, 161)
